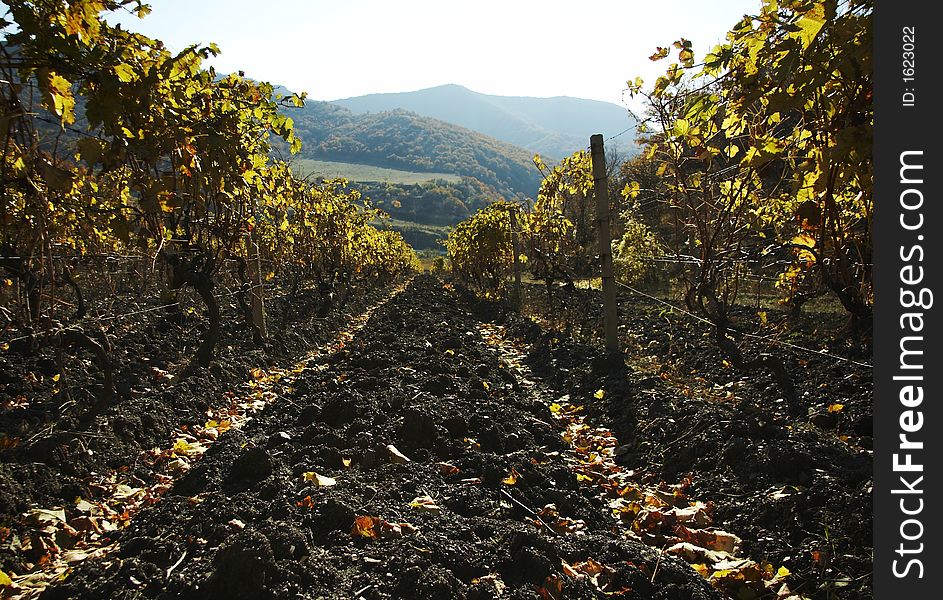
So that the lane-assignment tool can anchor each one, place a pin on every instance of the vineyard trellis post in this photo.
(601, 187)
(257, 297)
(516, 249)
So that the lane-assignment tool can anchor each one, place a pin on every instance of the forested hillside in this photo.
(554, 127)
(405, 140)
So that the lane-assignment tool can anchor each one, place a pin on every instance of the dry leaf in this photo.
(447, 469)
(42, 516)
(320, 480)
(425, 503)
(396, 456)
(365, 526)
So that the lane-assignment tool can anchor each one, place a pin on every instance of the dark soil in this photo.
(383, 473)
(793, 480)
(248, 523)
(62, 434)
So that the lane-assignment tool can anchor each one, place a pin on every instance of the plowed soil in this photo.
(433, 456)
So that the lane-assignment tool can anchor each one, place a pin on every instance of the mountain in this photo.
(401, 139)
(553, 127)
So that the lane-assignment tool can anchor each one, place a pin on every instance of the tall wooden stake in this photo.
(601, 185)
(257, 297)
(516, 248)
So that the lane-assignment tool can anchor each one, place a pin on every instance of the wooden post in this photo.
(516, 249)
(257, 296)
(601, 186)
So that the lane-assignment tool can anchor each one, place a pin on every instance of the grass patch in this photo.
(358, 172)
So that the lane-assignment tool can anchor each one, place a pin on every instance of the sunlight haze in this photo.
(337, 50)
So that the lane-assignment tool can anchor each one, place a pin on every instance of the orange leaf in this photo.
(365, 526)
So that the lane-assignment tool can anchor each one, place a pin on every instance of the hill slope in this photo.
(554, 127)
(403, 140)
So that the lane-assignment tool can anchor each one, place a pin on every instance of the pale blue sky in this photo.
(341, 48)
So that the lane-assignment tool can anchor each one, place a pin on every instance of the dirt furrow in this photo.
(64, 537)
(798, 497)
(410, 464)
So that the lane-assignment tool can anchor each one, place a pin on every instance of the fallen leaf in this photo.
(834, 408)
(390, 530)
(407, 528)
(42, 516)
(511, 479)
(695, 554)
(5, 579)
(493, 581)
(447, 469)
(396, 456)
(87, 524)
(425, 503)
(320, 480)
(365, 526)
(600, 394)
(181, 446)
(74, 556)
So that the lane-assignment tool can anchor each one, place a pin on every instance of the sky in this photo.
(342, 48)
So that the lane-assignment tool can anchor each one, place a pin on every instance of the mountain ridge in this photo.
(553, 127)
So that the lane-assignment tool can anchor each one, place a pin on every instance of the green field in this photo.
(420, 236)
(357, 172)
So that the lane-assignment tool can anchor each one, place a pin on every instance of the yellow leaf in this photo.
(5, 579)
(834, 408)
(321, 480)
(56, 377)
(425, 503)
(599, 394)
(181, 446)
(702, 568)
(511, 479)
(57, 95)
(125, 72)
(782, 572)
